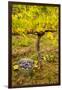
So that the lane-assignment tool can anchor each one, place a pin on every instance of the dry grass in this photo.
(47, 74)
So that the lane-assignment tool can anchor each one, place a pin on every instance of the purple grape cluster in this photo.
(26, 63)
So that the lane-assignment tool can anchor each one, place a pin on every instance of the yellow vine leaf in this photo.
(15, 67)
(49, 35)
(36, 62)
(44, 58)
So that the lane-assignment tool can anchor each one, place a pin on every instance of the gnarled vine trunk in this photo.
(39, 35)
(38, 49)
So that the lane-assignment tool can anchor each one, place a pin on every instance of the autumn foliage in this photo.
(35, 30)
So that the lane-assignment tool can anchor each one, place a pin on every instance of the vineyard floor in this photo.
(46, 75)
